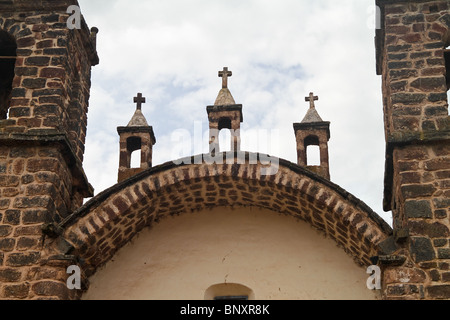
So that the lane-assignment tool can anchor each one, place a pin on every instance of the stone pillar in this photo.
(410, 58)
(41, 145)
(132, 139)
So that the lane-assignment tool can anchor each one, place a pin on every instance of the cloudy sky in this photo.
(278, 51)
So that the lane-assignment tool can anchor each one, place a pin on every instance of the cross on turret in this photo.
(139, 100)
(311, 100)
(224, 75)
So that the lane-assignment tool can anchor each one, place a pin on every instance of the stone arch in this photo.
(111, 219)
(8, 57)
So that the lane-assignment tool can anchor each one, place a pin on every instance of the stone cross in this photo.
(311, 100)
(139, 100)
(224, 75)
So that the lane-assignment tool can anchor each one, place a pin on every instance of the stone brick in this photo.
(26, 71)
(438, 291)
(411, 275)
(35, 165)
(5, 230)
(22, 259)
(59, 73)
(12, 217)
(10, 275)
(418, 209)
(411, 37)
(432, 230)
(441, 203)
(25, 42)
(397, 30)
(44, 44)
(443, 253)
(402, 74)
(414, 18)
(32, 202)
(37, 61)
(440, 242)
(27, 243)
(399, 48)
(438, 164)
(7, 245)
(9, 181)
(22, 152)
(416, 191)
(408, 98)
(17, 291)
(421, 249)
(400, 65)
(35, 216)
(429, 84)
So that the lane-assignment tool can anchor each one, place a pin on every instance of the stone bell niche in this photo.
(224, 114)
(313, 131)
(8, 47)
(137, 136)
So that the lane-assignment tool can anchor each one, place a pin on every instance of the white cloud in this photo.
(278, 51)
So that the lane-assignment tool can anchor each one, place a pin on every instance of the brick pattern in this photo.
(418, 136)
(42, 144)
(111, 219)
(35, 188)
(52, 81)
(307, 134)
(422, 207)
(414, 82)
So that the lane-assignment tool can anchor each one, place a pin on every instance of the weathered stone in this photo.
(429, 84)
(37, 61)
(9, 275)
(22, 259)
(432, 230)
(438, 291)
(408, 98)
(421, 249)
(50, 288)
(17, 291)
(418, 209)
(443, 253)
(415, 191)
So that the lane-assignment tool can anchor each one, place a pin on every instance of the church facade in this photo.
(223, 225)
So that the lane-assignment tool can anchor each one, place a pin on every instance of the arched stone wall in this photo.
(114, 217)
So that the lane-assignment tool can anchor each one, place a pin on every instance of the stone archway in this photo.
(110, 220)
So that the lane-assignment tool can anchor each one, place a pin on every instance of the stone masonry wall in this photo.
(418, 146)
(42, 144)
(35, 189)
(113, 218)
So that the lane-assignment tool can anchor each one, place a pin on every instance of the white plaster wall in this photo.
(278, 257)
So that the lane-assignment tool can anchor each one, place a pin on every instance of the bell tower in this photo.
(413, 63)
(313, 131)
(44, 94)
(224, 114)
(136, 136)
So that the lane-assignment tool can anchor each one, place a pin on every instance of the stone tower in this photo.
(137, 135)
(224, 114)
(414, 65)
(43, 118)
(313, 131)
